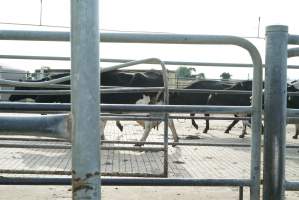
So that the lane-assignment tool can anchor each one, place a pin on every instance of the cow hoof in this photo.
(205, 131)
(241, 136)
(195, 126)
(174, 143)
(295, 137)
(226, 132)
(138, 144)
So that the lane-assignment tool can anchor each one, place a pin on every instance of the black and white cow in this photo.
(114, 78)
(199, 98)
(234, 100)
(293, 102)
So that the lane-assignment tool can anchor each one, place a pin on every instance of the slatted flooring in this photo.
(184, 161)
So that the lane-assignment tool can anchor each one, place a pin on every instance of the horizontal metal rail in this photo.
(129, 181)
(292, 185)
(293, 52)
(57, 146)
(12, 106)
(32, 139)
(67, 173)
(113, 60)
(293, 39)
(68, 146)
(131, 90)
(50, 84)
(210, 91)
(58, 126)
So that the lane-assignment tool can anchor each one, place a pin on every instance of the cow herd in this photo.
(155, 79)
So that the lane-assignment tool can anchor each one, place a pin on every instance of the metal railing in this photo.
(173, 39)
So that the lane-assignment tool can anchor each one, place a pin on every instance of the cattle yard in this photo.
(213, 159)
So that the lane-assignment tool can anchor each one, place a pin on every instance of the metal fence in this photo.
(177, 39)
(86, 154)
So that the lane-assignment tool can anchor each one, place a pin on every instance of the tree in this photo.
(225, 76)
(184, 72)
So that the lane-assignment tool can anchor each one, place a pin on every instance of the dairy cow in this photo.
(185, 98)
(113, 78)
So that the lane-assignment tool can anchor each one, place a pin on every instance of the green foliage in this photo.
(184, 72)
(225, 76)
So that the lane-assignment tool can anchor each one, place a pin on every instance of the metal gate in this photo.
(84, 37)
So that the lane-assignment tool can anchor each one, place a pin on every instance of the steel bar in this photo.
(65, 173)
(209, 91)
(292, 185)
(56, 126)
(275, 112)
(293, 112)
(35, 92)
(131, 90)
(293, 52)
(129, 181)
(175, 108)
(241, 193)
(12, 106)
(85, 73)
(66, 146)
(293, 39)
(50, 83)
(32, 139)
(36, 146)
(180, 143)
(112, 60)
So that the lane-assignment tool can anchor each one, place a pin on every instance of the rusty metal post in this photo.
(85, 99)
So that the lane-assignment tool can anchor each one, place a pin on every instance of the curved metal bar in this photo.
(115, 60)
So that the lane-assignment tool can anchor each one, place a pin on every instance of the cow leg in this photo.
(119, 126)
(173, 131)
(193, 121)
(102, 128)
(245, 123)
(207, 123)
(229, 128)
(297, 131)
(148, 125)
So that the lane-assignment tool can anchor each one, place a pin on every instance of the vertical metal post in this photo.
(241, 193)
(275, 112)
(85, 99)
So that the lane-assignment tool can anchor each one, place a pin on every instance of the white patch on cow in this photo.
(145, 100)
(147, 125)
(296, 85)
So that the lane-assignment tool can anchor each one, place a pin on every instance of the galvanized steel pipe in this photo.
(56, 126)
(85, 100)
(275, 112)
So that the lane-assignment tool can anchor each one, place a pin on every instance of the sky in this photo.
(213, 17)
